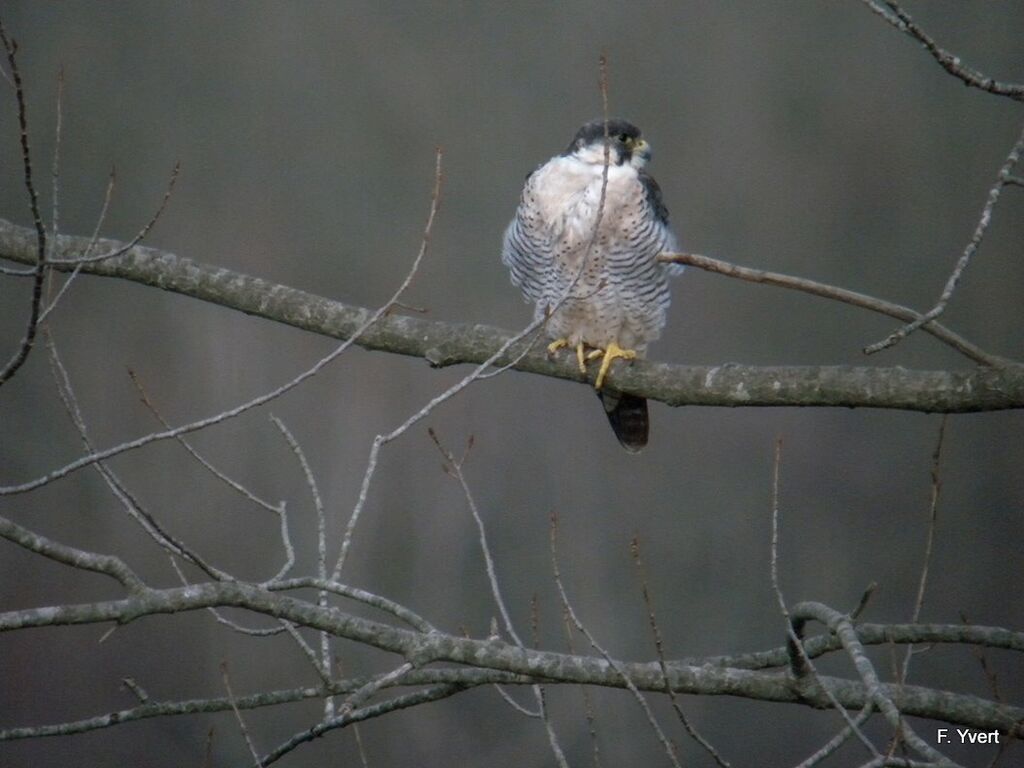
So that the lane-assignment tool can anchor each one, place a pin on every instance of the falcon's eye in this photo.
(624, 138)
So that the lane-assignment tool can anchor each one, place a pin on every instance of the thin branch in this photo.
(801, 665)
(515, 705)
(899, 18)
(324, 665)
(965, 257)
(77, 558)
(58, 133)
(129, 502)
(659, 647)
(839, 739)
(843, 628)
(453, 467)
(357, 697)
(234, 626)
(933, 514)
(135, 688)
(368, 598)
(99, 456)
(124, 248)
(588, 707)
(465, 678)
(228, 481)
(434, 693)
(238, 715)
(322, 670)
(39, 271)
(843, 295)
(618, 667)
(383, 439)
(108, 194)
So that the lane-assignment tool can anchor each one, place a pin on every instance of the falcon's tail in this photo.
(628, 416)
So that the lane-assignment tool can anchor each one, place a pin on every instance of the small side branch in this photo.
(901, 20)
(965, 258)
(940, 332)
(76, 558)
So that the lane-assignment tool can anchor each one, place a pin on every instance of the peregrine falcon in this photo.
(593, 269)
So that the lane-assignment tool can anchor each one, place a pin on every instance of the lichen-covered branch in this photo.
(493, 654)
(443, 344)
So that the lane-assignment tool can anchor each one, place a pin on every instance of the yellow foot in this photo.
(581, 358)
(610, 353)
(557, 344)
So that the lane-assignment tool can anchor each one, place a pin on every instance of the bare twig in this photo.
(357, 697)
(111, 180)
(77, 558)
(933, 514)
(39, 271)
(965, 257)
(208, 754)
(131, 504)
(588, 706)
(453, 467)
(861, 300)
(280, 509)
(99, 456)
(670, 750)
(359, 746)
(423, 696)
(323, 670)
(55, 175)
(993, 683)
(839, 739)
(843, 628)
(899, 18)
(865, 598)
(203, 462)
(659, 647)
(238, 715)
(321, 561)
(515, 705)
(134, 687)
(121, 250)
(800, 662)
(234, 626)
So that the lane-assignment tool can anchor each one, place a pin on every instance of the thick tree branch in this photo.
(442, 344)
(424, 648)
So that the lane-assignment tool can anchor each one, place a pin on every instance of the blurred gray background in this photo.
(800, 136)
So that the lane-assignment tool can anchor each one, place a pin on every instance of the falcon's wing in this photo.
(660, 213)
(527, 249)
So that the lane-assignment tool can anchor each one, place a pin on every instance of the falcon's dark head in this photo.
(624, 143)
